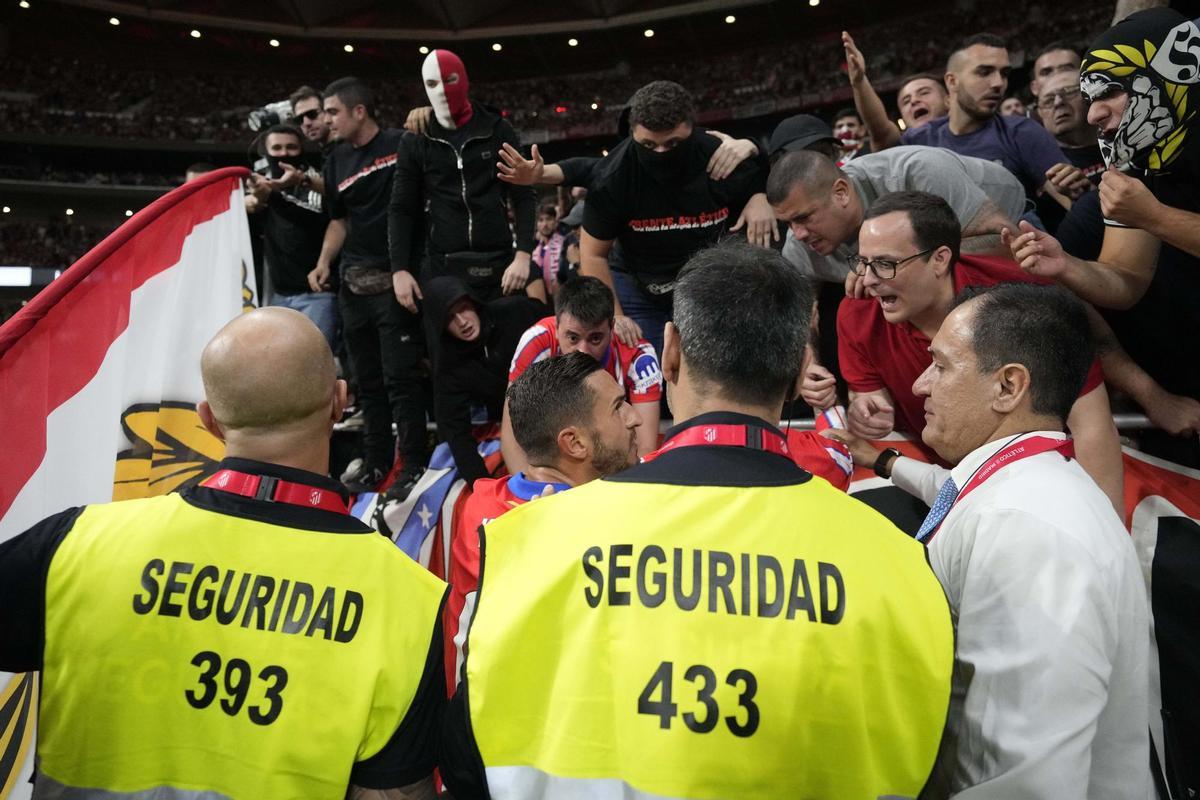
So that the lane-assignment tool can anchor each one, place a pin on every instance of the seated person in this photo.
(583, 322)
(471, 345)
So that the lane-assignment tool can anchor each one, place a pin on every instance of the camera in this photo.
(270, 114)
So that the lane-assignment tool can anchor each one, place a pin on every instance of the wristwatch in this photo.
(884, 461)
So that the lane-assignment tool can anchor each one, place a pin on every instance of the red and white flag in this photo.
(100, 376)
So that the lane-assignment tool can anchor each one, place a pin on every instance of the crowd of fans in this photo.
(166, 105)
(56, 242)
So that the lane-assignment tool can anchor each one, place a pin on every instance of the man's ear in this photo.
(840, 193)
(669, 360)
(574, 444)
(1012, 381)
(942, 262)
(204, 410)
(951, 82)
(340, 395)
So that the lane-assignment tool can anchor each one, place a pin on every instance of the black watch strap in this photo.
(883, 460)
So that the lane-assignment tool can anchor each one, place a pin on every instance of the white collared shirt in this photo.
(1049, 697)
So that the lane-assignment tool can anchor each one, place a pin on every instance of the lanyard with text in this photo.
(1035, 445)
(264, 487)
(751, 437)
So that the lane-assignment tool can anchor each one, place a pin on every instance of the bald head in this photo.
(267, 370)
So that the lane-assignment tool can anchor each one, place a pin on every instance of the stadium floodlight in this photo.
(114, 21)
(349, 48)
(24, 4)
(7, 210)
(595, 106)
(497, 47)
(814, 3)
(729, 20)
(572, 42)
(648, 33)
(70, 212)
(129, 212)
(195, 34)
(423, 50)
(274, 43)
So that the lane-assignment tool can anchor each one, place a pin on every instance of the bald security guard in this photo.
(713, 622)
(246, 638)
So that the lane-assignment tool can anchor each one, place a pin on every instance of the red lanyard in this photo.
(264, 487)
(752, 437)
(1033, 446)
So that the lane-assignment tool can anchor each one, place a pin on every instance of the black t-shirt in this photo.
(1087, 159)
(1162, 331)
(659, 226)
(358, 187)
(292, 237)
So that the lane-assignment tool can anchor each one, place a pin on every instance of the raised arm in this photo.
(884, 132)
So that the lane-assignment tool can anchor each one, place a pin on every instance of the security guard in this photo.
(247, 638)
(712, 623)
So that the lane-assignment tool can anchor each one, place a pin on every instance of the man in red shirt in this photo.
(583, 322)
(911, 268)
(574, 424)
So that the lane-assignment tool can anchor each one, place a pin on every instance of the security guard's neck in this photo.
(706, 405)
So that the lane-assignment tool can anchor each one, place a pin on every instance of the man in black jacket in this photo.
(451, 170)
(471, 352)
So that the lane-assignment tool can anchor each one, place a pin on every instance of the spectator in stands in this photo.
(294, 229)
(572, 419)
(446, 194)
(583, 322)
(851, 134)
(1012, 106)
(1149, 262)
(549, 247)
(307, 111)
(824, 204)
(196, 170)
(471, 355)
(976, 77)
(922, 98)
(802, 132)
(1061, 108)
(653, 194)
(385, 342)
(1056, 58)
(911, 265)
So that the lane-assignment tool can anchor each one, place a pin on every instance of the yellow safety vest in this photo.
(637, 640)
(210, 653)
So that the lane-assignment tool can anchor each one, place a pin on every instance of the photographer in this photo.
(293, 228)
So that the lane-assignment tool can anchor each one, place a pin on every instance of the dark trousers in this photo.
(386, 347)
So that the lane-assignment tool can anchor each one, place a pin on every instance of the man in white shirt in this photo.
(1050, 683)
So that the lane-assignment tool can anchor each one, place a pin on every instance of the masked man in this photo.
(446, 194)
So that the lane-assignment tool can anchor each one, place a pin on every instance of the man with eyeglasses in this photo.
(1060, 104)
(911, 267)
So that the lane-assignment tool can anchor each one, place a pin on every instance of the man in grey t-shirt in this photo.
(824, 205)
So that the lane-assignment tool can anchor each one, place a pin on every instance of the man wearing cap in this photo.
(823, 204)
(447, 175)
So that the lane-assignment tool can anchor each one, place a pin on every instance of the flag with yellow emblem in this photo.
(100, 376)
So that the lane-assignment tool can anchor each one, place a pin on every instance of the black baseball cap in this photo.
(798, 132)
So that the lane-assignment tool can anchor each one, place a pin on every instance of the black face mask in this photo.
(274, 170)
(667, 167)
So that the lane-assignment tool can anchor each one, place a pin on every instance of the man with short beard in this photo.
(573, 421)
(976, 77)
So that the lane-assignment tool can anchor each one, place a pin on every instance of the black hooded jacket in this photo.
(472, 373)
(453, 174)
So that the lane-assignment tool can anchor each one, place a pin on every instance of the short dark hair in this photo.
(200, 167)
(816, 171)
(1058, 44)
(1045, 328)
(303, 93)
(743, 315)
(848, 111)
(352, 92)
(660, 106)
(985, 39)
(932, 220)
(550, 395)
(922, 76)
(283, 127)
(548, 210)
(585, 298)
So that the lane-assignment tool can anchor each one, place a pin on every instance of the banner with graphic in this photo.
(100, 376)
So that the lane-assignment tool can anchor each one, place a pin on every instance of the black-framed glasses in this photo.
(884, 268)
(311, 115)
(1047, 101)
